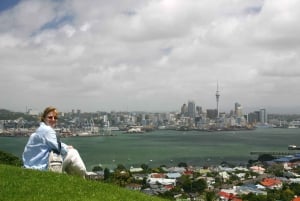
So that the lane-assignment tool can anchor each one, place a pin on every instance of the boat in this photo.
(135, 129)
(293, 147)
(294, 124)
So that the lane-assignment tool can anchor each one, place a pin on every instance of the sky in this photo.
(150, 55)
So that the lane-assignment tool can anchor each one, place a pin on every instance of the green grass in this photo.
(18, 184)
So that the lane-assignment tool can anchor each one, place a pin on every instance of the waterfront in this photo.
(171, 147)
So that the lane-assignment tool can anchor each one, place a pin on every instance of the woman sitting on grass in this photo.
(44, 140)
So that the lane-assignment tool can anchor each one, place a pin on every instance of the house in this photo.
(188, 173)
(136, 187)
(134, 170)
(174, 175)
(94, 175)
(257, 169)
(241, 176)
(271, 183)
(209, 180)
(226, 196)
(157, 175)
(225, 176)
(296, 199)
(176, 169)
(139, 177)
(162, 181)
(250, 188)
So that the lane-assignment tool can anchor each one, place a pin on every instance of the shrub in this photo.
(9, 159)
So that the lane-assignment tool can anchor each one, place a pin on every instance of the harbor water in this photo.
(166, 147)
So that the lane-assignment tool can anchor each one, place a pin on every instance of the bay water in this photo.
(167, 147)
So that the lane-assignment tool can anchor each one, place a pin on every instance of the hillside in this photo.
(20, 184)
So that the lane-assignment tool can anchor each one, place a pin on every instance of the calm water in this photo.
(171, 147)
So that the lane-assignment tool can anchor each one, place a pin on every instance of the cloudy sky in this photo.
(149, 55)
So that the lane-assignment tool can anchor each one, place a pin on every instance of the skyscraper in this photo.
(191, 109)
(184, 110)
(238, 110)
(217, 98)
(263, 117)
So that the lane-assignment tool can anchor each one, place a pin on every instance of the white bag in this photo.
(55, 162)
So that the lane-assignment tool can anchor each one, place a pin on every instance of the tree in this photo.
(97, 168)
(182, 164)
(210, 196)
(145, 167)
(287, 194)
(121, 175)
(199, 185)
(253, 197)
(106, 174)
(121, 167)
(265, 157)
(276, 169)
(295, 187)
(190, 185)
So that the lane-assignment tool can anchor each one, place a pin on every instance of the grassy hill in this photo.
(18, 184)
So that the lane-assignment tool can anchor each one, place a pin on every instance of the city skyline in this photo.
(150, 55)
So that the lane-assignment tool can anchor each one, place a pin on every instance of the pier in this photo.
(274, 153)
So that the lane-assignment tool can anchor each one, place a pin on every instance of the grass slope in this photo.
(18, 184)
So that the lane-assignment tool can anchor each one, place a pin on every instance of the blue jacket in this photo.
(38, 147)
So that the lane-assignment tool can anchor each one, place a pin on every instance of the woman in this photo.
(45, 140)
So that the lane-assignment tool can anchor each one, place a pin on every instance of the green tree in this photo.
(295, 187)
(167, 195)
(144, 167)
(210, 196)
(273, 195)
(253, 197)
(276, 169)
(121, 167)
(287, 194)
(182, 164)
(97, 168)
(199, 185)
(106, 174)
(185, 183)
(121, 175)
(265, 157)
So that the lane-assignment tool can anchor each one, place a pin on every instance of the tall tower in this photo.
(191, 109)
(217, 98)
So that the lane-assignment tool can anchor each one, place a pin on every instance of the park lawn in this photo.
(19, 184)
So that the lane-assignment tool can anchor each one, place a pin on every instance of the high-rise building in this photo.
(217, 99)
(198, 111)
(211, 113)
(191, 109)
(184, 110)
(263, 117)
(253, 117)
(238, 110)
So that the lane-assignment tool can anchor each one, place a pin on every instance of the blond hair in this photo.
(47, 111)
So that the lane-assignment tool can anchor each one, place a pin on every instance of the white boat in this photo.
(135, 129)
(294, 124)
(292, 147)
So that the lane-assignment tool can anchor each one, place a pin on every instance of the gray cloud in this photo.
(149, 55)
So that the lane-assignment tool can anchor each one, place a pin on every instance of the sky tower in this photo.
(217, 99)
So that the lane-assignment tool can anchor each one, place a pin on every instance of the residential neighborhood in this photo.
(261, 180)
